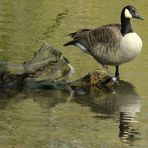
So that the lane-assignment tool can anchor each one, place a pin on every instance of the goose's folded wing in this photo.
(106, 35)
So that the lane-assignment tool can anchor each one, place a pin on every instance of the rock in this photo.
(48, 69)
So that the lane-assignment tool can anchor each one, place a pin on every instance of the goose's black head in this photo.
(129, 12)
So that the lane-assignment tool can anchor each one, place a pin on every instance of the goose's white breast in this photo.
(131, 45)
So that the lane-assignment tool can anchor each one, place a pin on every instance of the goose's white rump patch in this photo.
(80, 46)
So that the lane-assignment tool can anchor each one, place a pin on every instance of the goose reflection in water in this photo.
(123, 103)
(129, 105)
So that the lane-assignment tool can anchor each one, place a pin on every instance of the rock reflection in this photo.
(45, 98)
(123, 103)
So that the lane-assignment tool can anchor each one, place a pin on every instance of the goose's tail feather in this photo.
(70, 43)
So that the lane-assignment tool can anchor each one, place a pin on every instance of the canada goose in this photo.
(112, 44)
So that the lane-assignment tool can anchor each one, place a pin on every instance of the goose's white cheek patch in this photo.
(127, 14)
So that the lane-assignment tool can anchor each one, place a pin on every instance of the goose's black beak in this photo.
(138, 17)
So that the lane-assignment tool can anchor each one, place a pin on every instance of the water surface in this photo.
(77, 117)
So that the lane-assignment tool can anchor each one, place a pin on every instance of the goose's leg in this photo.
(117, 72)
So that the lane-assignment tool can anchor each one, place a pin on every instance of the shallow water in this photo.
(77, 117)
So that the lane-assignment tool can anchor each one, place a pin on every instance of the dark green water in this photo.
(78, 118)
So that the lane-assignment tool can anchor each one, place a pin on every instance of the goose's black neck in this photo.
(125, 25)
